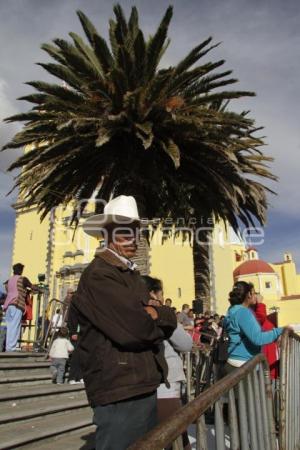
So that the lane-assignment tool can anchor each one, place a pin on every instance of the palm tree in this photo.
(164, 135)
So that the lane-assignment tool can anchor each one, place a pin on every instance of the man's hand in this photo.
(151, 311)
(153, 302)
(34, 288)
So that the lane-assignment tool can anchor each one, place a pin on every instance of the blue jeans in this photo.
(13, 323)
(121, 424)
(58, 366)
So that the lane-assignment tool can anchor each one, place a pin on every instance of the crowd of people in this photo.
(124, 338)
(62, 324)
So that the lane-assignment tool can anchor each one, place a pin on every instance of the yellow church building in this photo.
(278, 283)
(54, 248)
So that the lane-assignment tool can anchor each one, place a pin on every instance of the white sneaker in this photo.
(73, 382)
(81, 381)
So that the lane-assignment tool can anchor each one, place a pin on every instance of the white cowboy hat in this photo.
(121, 211)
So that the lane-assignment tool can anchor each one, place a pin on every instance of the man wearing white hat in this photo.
(119, 345)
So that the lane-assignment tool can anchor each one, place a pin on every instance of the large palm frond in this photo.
(166, 136)
(155, 131)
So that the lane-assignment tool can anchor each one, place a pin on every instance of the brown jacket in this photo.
(119, 347)
(23, 287)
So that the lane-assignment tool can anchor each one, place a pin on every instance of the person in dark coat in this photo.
(75, 373)
(120, 334)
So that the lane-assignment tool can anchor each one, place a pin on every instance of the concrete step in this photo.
(18, 411)
(24, 403)
(19, 368)
(83, 439)
(21, 356)
(21, 365)
(13, 436)
(11, 381)
(32, 392)
(34, 411)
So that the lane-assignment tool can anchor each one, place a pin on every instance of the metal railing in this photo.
(249, 423)
(51, 325)
(198, 365)
(34, 328)
(44, 326)
(289, 423)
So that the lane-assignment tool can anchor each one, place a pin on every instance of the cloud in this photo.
(7, 108)
(281, 235)
(6, 241)
(262, 45)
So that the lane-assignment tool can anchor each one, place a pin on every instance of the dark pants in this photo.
(75, 371)
(166, 407)
(121, 424)
(227, 369)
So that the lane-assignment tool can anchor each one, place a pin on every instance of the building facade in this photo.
(61, 252)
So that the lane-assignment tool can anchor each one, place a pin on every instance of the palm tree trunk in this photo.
(202, 273)
(142, 257)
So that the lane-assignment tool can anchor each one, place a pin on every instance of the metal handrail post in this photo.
(37, 315)
(289, 393)
(52, 304)
(188, 376)
(44, 308)
(168, 431)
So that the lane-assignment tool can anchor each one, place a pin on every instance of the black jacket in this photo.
(120, 355)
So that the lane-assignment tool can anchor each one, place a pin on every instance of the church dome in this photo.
(252, 267)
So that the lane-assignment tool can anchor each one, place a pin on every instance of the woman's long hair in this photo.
(239, 292)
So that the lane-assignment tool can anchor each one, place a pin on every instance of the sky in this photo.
(260, 41)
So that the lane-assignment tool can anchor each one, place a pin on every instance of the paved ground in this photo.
(210, 438)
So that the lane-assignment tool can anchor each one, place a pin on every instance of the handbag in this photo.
(220, 351)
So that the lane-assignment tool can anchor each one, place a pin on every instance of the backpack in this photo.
(220, 352)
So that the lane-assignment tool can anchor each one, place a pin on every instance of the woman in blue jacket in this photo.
(245, 334)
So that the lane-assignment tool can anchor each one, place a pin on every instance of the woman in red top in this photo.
(270, 350)
(196, 331)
